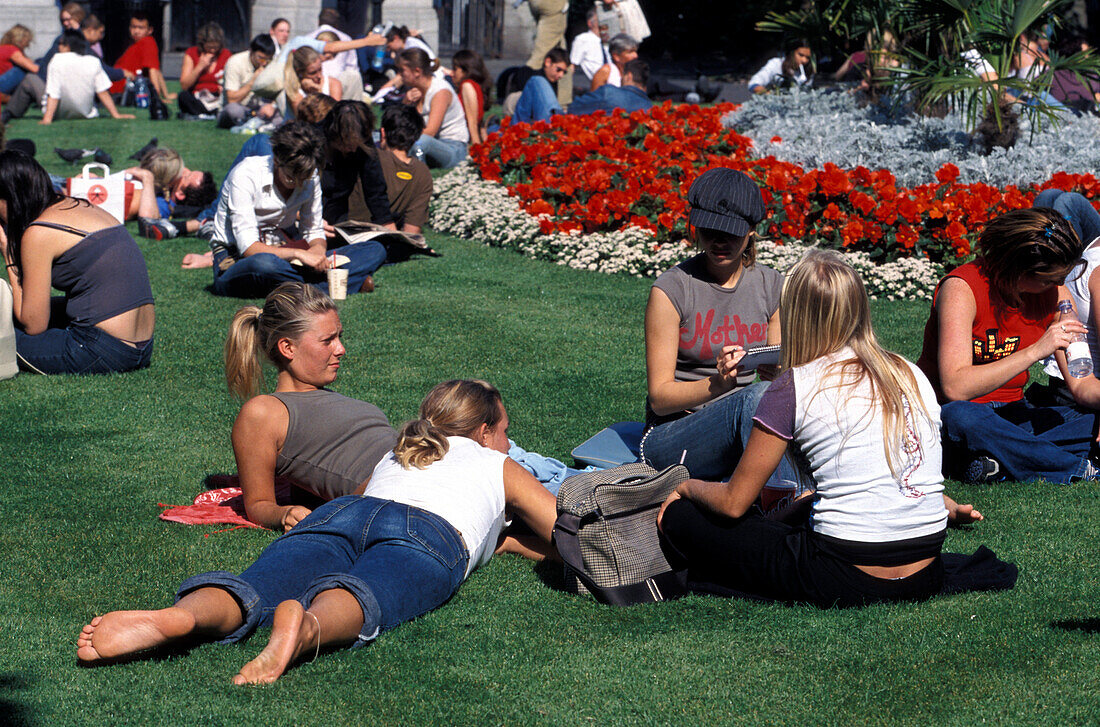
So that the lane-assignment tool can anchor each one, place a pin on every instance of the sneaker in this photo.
(157, 229)
(983, 470)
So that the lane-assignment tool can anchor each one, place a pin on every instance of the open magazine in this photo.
(399, 245)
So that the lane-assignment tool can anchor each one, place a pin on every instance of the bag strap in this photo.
(660, 587)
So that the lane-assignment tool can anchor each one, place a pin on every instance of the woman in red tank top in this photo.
(991, 320)
(472, 80)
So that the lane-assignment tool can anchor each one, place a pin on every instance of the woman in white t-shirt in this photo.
(446, 135)
(794, 69)
(868, 424)
(432, 512)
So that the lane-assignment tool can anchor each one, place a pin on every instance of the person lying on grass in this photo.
(431, 514)
(868, 424)
(324, 443)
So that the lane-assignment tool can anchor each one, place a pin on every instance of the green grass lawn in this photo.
(86, 460)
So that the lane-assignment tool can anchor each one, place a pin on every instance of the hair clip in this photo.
(1048, 231)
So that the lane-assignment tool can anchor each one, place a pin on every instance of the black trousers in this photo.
(190, 104)
(758, 557)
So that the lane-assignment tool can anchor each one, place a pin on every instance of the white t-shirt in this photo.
(344, 60)
(251, 209)
(978, 65)
(454, 121)
(238, 69)
(75, 80)
(588, 53)
(840, 433)
(465, 488)
(1077, 282)
(772, 74)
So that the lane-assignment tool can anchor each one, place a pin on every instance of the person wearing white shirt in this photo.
(784, 70)
(589, 52)
(74, 81)
(343, 66)
(269, 228)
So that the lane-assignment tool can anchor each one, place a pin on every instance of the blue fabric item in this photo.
(115, 74)
(538, 102)
(712, 440)
(547, 470)
(257, 275)
(80, 350)
(398, 561)
(1050, 443)
(612, 446)
(441, 153)
(258, 145)
(608, 98)
(10, 79)
(1077, 210)
(164, 207)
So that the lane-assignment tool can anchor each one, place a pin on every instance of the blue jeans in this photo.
(398, 561)
(1030, 442)
(10, 79)
(257, 275)
(441, 153)
(70, 349)
(712, 440)
(538, 102)
(1077, 210)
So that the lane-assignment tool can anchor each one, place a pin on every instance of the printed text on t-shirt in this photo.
(728, 333)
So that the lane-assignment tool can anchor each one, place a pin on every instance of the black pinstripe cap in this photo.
(727, 200)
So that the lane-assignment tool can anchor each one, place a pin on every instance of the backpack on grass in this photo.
(606, 533)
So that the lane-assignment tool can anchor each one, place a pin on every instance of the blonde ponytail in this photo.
(419, 444)
(456, 408)
(288, 312)
(244, 373)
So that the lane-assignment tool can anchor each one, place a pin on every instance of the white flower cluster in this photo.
(903, 279)
(467, 206)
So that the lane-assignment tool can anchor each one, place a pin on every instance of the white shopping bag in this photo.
(8, 366)
(108, 192)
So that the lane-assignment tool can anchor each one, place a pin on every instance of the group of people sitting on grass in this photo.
(865, 436)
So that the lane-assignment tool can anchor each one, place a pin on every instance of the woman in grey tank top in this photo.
(324, 443)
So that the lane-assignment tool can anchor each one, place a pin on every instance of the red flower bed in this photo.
(602, 173)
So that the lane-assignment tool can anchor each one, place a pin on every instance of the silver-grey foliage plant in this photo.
(830, 126)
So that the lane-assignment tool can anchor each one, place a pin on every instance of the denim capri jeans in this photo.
(398, 561)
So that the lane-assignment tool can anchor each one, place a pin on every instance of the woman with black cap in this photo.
(701, 317)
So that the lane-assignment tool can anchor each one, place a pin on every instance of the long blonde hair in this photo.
(455, 408)
(823, 309)
(288, 312)
(295, 68)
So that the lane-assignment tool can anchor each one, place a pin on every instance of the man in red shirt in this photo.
(143, 54)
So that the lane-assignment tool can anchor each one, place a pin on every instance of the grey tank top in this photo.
(333, 442)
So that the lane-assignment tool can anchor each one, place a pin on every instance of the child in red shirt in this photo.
(144, 53)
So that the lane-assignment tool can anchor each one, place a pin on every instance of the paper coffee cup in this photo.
(337, 283)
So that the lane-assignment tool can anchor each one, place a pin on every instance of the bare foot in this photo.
(194, 261)
(121, 633)
(288, 633)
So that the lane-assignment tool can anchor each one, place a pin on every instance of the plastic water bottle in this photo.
(1078, 355)
(141, 94)
(379, 57)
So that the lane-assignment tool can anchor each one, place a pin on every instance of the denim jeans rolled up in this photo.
(398, 561)
(257, 275)
(710, 441)
(441, 153)
(1030, 442)
(1077, 210)
(64, 348)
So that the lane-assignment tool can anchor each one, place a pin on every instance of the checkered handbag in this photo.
(606, 533)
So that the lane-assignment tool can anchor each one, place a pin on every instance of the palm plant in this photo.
(935, 71)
